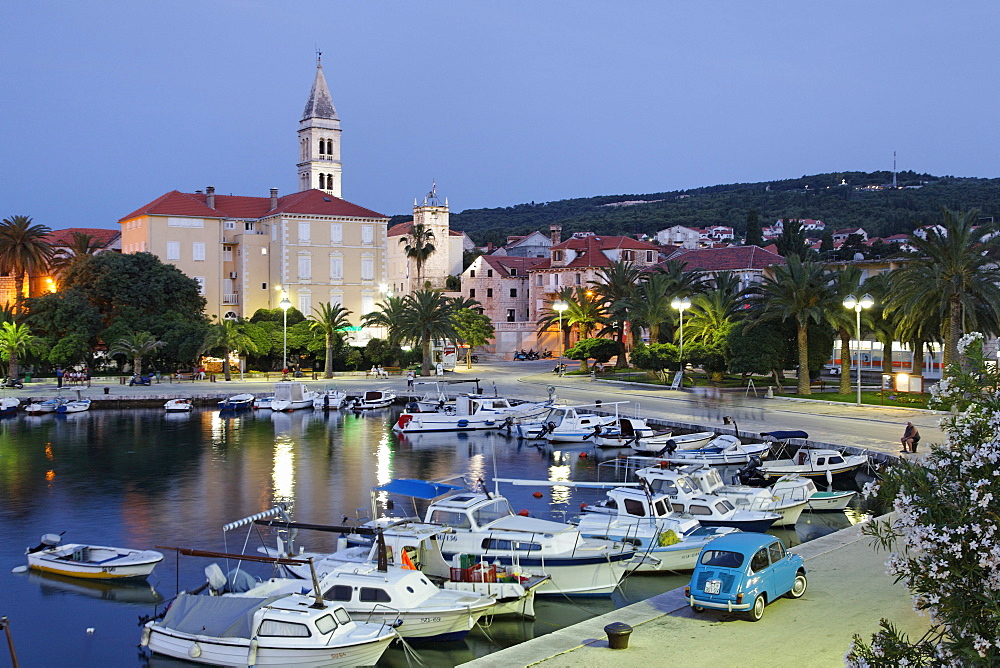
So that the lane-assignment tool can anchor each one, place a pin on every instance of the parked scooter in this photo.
(16, 383)
(141, 380)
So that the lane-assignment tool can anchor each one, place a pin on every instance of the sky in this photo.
(108, 105)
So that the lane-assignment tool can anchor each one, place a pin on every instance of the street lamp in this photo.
(284, 304)
(560, 306)
(681, 305)
(851, 302)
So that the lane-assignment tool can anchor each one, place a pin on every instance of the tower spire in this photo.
(319, 163)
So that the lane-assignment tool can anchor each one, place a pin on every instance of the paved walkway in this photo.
(848, 593)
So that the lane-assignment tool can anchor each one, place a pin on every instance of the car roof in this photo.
(742, 541)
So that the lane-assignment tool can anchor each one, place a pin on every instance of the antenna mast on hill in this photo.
(894, 169)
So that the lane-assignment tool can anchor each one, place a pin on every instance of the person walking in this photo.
(59, 376)
(910, 438)
(409, 380)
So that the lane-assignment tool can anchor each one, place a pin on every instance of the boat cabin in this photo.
(471, 511)
(289, 390)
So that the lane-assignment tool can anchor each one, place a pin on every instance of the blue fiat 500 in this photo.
(745, 572)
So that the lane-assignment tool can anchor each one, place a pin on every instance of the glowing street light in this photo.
(559, 307)
(681, 305)
(285, 305)
(851, 302)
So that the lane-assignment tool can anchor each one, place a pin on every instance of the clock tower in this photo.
(319, 139)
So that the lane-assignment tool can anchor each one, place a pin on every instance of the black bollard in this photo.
(618, 633)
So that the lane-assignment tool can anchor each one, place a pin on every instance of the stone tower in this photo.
(319, 139)
(435, 217)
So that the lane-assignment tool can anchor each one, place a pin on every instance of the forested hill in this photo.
(843, 199)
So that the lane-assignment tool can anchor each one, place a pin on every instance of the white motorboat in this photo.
(659, 442)
(74, 406)
(372, 399)
(470, 412)
(631, 433)
(832, 501)
(566, 424)
(98, 562)
(263, 403)
(237, 402)
(400, 597)
(291, 630)
(817, 464)
(484, 525)
(177, 406)
(720, 451)
(291, 395)
(9, 405)
(788, 500)
(711, 510)
(46, 406)
(329, 399)
(664, 540)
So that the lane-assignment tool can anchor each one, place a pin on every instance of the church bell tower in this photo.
(319, 139)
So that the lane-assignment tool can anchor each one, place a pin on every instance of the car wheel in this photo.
(799, 586)
(757, 611)
(698, 608)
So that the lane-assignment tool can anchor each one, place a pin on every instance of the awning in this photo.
(418, 489)
(784, 435)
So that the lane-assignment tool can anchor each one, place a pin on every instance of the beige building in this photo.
(249, 252)
(445, 261)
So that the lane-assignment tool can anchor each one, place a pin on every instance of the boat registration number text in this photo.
(713, 586)
(428, 620)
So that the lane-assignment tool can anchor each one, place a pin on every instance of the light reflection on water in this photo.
(143, 478)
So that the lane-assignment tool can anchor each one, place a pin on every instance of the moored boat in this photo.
(177, 405)
(722, 450)
(97, 562)
(291, 395)
(74, 406)
(45, 406)
(237, 402)
(9, 405)
(329, 399)
(373, 399)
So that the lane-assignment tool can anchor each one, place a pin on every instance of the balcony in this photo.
(230, 300)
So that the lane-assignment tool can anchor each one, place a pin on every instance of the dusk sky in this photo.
(108, 105)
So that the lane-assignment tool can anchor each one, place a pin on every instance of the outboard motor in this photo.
(751, 473)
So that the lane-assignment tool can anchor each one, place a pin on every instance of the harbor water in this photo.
(143, 478)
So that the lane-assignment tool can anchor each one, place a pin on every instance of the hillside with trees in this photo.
(840, 199)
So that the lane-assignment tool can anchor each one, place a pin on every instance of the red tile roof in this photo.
(504, 263)
(602, 242)
(732, 258)
(312, 202)
(65, 237)
(401, 229)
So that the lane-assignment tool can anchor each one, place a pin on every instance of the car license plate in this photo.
(713, 586)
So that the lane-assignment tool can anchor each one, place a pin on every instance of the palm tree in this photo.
(228, 335)
(713, 311)
(616, 286)
(846, 282)
(16, 341)
(551, 317)
(136, 345)
(955, 280)
(329, 320)
(650, 307)
(387, 315)
(797, 290)
(23, 252)
(418, 247)
(427, 315)
(81, 245)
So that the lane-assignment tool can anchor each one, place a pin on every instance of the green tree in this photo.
(23, 253)
(68, 322)
(615, 285)
(600, 350)
(388, 315)
(16, 341)
(227, 335)
(793, 241)
(714, 311)
(473, 329)
(656, 357)
(799, 291)
(551, 317)
(755, 235)
(955, 278)
(136, 345)
(585, 311)
(757, 347)
(845, 282)
(330, 321)
(379, 352)
(427, 315)
(418, 246)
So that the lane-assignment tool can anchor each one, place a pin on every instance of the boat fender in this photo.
(523, 513)
(194, 651)
(583, 505)
(144, 638)
(537, 495)
(404, 420)
(463, 423)
(583, 455)
(252, 654)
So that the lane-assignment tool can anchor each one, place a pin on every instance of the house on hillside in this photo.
(535, 244)
(678, 235)
(842, 234)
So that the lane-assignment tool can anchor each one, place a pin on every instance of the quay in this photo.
(849, 592)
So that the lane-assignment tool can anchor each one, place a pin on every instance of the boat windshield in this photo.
(450, 518)
(492, 512)
(721, 558)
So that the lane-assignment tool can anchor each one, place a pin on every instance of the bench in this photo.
(183, 376)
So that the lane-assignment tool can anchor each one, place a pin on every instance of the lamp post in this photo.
(852, 302)
(681, 305)
(284, 304)
(560, 306)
